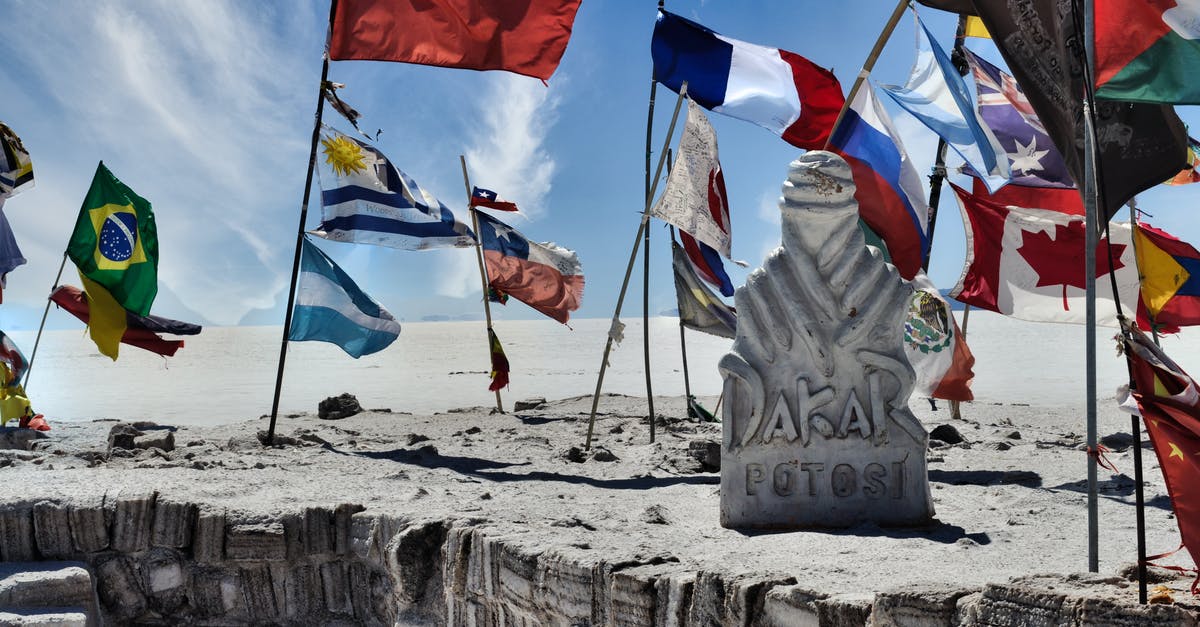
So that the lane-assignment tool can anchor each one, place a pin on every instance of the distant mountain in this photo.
(437, 318)
(264, 317)
(168, 305)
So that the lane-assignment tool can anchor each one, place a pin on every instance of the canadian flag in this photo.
(1029, 264)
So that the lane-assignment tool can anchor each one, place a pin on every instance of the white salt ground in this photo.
(1010, 501)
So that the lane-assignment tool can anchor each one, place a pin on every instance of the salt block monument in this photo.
(817, 430)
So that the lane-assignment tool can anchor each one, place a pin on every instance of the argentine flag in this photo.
(331, 308)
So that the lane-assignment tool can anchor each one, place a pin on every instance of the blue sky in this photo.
(205, 108)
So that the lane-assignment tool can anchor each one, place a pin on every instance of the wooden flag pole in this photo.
(1135, 429)
(955, 406)
(646, 269)
(637, 240)
(483, 279)
(869, 64)
(312, 165)
(687, 382)
(45, 312)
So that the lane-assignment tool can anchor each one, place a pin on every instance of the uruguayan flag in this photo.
(367, 200)
(937, 96)
(331, 308)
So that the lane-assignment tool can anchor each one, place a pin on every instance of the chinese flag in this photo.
(1170, 405)
(521, 36)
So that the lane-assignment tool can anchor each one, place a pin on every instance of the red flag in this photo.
(1170, 406)
(1063, 199)
(140, 329)
(499, 363)
(1170, 273)
(527, 37)
(481, 197)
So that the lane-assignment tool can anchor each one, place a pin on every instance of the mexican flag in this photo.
(1148, 50)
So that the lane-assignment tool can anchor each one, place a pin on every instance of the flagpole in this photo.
(687, 382)
(869, 64)
(483, 279)
(646, 267)
(312, 165)
(637, 240)
(956, 406)
(45, 312)
(1135, 429)
(1090, 221)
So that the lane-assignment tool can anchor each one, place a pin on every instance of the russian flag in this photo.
(889, 193)
(778, 90)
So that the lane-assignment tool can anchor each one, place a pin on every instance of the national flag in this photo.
(331, 308)
(975, 28)
(341, 106)
(936, 95)
(1029, 263)
(499, 372)
(16, 169)
(936, 348)
(10, 254)
(699, 308)
(527, 37)
(1170, 278)
(695, 199)
(367, 200)
(115, 243)
(481, 197)
(778, 90)
(544, 276)
(139, 331)
(706, 262)
(13, 360)
(1169, 403)
(1189, 174)
(1033, 159)
(1148, 50)
(1060, 199)
(1139, 145)
(890, 196)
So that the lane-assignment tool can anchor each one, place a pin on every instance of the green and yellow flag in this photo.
(115, 243)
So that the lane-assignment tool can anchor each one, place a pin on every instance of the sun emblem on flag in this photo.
(343, 155)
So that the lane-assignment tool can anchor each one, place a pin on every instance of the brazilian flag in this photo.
(115, 242)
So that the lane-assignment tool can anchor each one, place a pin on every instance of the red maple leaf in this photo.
(1059, 261)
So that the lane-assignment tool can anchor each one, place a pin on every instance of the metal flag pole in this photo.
(687, 381)
(637, 240)
(483, 278)
(312, 165)
(1135, 429)
(45, 312)
(646, 269)
(1090, 221)
(869, 64)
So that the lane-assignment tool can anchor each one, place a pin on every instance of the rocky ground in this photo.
(1007, 480)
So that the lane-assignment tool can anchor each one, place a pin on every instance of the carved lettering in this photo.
(784, 479)
(879, 416)
(843, 480)
(780, 422)
(897, 480)
(854, 418)
(754, 476)
(813, 470)
(873, 485)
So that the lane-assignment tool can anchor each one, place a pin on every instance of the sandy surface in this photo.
(1010, 500)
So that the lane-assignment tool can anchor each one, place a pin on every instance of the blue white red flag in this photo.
(778, 90)
(544, 276)
(367, 200)
(936, 95)
(481, 197)
(331, 308)
(889, 192)
(1033, 159)
(706, 262)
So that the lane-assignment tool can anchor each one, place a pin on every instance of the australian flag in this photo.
(1033, 159)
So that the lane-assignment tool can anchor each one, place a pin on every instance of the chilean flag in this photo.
(481, 197)
(889, 193)
(778, 90)
(544, 276)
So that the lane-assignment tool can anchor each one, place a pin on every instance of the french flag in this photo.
(778, 90)
(889, 193)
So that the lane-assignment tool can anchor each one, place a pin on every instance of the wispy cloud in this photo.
(195, 105)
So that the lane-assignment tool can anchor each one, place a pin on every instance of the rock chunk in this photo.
(947, 434)
(338, 407)
(529, 403)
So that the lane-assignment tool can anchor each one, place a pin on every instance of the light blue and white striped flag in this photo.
(331, 308)
(937, 96)
(367, 200)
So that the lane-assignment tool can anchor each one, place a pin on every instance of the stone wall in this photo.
(158, 561)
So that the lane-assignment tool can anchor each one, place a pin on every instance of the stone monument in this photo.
(817, 430)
